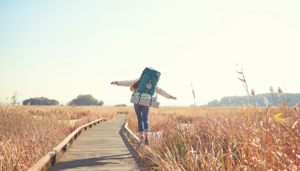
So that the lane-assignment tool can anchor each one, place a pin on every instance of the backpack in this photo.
(145, 88)
(148, 81)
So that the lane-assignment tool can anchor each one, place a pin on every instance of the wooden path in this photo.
(104, 147)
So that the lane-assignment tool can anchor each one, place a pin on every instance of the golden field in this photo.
(245, 138)
(27, 133)
(199, 138)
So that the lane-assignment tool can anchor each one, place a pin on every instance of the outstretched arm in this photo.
(164, 93)
(171, 97)
(126, 83)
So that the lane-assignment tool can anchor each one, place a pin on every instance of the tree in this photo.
(40, 101)
(86, 100)
(212, 103)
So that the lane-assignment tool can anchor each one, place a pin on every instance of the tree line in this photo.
(40, 101)
(81, 100)
(274, 99)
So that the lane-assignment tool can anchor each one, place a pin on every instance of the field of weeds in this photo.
(27, 133)
(199, 138)
(190, 138)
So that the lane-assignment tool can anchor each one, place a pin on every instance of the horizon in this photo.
(64, 103)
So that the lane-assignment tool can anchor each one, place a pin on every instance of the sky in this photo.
(61, 49)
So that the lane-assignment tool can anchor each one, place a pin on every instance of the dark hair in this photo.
(142, 75)
(137, 84)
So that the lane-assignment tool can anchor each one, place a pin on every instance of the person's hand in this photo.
(114, 82)
(171, 97)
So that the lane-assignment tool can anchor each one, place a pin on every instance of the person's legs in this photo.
(145, 112)
(138, 111)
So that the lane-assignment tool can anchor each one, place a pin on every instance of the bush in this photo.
(40, 101)
(86, 100)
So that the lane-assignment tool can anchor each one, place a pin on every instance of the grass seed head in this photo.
(271, 89)
(266, 101)
(253, 92)
(243, 104)
(280, 90)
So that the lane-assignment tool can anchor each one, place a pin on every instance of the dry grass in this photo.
(219, 138)
(223, 139)
(24, 139)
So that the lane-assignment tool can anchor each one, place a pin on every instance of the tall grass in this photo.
(241, 138)
(24, 139)
(223, 139)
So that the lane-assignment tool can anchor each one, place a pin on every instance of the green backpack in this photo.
(148, 81)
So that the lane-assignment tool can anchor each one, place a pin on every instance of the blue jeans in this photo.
(142, 116)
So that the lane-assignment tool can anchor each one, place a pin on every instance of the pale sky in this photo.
(60, 49)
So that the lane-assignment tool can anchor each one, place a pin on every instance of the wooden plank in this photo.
(104, 147)
(44, 160)
(131, 133)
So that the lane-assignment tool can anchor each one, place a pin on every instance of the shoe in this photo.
(142, 138)
(146, 141)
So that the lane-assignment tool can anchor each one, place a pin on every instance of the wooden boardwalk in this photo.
(104, 147)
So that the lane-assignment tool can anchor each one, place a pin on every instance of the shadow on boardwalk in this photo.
(103, 147)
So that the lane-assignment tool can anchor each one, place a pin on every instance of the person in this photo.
(143, 111)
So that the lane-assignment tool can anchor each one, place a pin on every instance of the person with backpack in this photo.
(143, 98)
